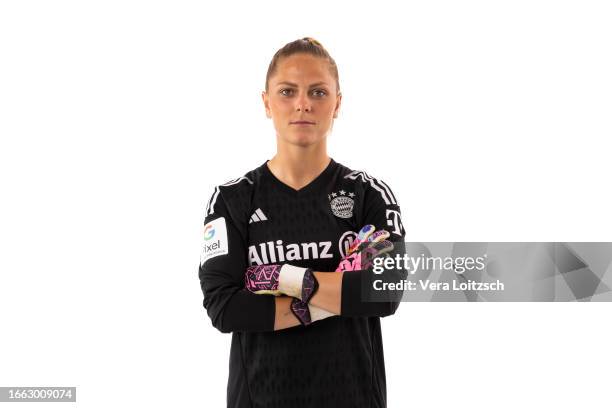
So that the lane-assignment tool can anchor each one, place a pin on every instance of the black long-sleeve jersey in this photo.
(256, 219)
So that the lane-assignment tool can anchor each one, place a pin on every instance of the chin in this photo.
(303, 139)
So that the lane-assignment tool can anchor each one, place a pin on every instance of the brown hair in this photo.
(306, 45)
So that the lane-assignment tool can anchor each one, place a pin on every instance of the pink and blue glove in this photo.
(279, 280)
(368, 245)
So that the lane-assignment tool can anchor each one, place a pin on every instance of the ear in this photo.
(338, 103)
(266, 101)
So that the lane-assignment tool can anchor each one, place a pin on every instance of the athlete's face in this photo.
(302, 99)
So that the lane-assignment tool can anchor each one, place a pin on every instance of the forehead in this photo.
(302, 68)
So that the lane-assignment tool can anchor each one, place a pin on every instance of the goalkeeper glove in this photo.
(368, 245)
(279, 280)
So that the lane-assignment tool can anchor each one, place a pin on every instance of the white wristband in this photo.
(290, 279)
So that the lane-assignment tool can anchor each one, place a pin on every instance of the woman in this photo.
(285, 226)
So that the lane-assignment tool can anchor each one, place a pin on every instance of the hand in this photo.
(368, 245)
(281, 280)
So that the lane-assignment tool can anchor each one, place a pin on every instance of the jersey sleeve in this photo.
(382, 210)
(223, 262)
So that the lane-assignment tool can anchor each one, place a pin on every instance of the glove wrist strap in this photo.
(301, 311)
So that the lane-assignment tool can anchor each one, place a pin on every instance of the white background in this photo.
(489, 119)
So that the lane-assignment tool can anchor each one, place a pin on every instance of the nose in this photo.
(302, 104)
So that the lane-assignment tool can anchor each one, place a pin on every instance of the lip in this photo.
(302, 122)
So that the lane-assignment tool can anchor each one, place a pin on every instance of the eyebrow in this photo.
(295, 85)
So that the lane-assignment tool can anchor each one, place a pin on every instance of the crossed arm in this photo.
(233, 308)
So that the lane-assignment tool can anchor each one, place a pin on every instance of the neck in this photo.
(297, 166)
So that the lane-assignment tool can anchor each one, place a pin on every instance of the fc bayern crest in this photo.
(342, 204)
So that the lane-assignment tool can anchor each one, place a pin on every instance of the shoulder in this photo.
(373, 187)
(378, 204)
(235, 192)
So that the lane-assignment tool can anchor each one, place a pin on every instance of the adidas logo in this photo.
(257, 216)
